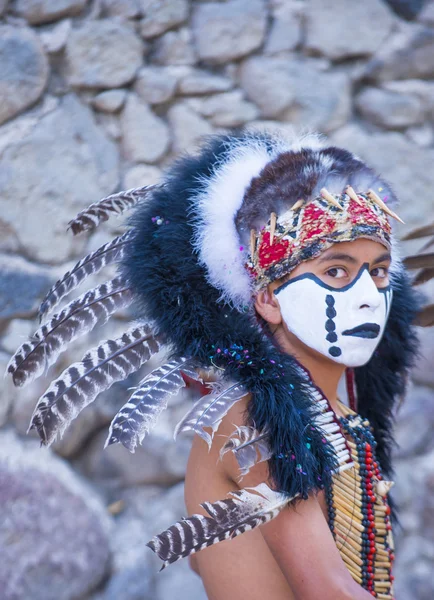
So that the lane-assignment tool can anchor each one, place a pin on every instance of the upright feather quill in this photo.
(80, 384)
(210, 410)
(139, 415)
(110, 252)
(100, 211)
(241, 511)
(76, 319)
(248, 446)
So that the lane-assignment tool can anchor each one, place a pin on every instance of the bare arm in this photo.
(295, 552)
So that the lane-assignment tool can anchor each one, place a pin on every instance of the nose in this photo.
(368, 296)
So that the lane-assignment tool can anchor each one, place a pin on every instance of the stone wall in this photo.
(100, 95)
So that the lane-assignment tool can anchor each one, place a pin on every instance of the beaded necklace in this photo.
(358, 510)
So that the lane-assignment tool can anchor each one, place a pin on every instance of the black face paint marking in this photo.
(330, 325)
(366, 330)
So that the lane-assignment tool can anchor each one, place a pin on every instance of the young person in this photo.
(272, 263)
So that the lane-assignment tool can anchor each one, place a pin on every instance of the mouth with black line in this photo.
(367, 330)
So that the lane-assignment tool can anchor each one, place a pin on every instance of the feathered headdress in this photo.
(189, 262)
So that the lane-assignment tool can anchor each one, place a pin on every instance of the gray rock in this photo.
(161, 15)
(187, 127)
(145, 137)
(282, 86)
(225, 110)
(389, 109)
(228, 31)
(58, 526)
(422, 135)
(199, 82)
(155, 85)
(22, 286)
(134, 583)
(122, 8)
(180, 582)
(110, 101)
(66, 162)
(140, 175)
(103, 54)
(409, 54)
(406, 166)
(285, 32)
(45, 11)
(353, 30)
(415, 415)
(423, 90)
(174, 48)
(427, 14)
(423, 373)
(7, 391)
(159, 460)
(3, 4)
(110, 123)
(17, 332)
(23, 70)
(54, 37)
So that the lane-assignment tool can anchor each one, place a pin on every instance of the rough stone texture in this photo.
(409, 54)
(103, 54)
(175, 48)
(285, 33)
(226, 110)
(54, 38)
(161, 15)
(155, 85)
(339, 30)
(22, 286)
(225, 32)
(289, 89)
(187, 127)
(141, 175)
(122, 8)
(427, 14)
(384, 151)
(23, 70)
(145, 136)
(110, 101)
(63, 163)
(199, 82)
(7, 391)
(388, 109)
(52, 512)
(415, 415)
(3, 4)
(45, 11)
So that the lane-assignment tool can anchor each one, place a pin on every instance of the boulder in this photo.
(37, 12)
(161, 15)
(339, 30)
(285, 32)
(56, 530)
(409, 54)
(110, 101)
(145, 137)
(103, 54)
(23, 70)
(54, 168)
(289, 88)
(227, 31)
(141, 175)
(54, 37)
(198, 82)
(129, 9)
(389, 109)
(225, 110)
(187, 127)
(174, 48)
(155, 85)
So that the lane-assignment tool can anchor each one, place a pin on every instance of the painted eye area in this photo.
(380, 272)
(336, 273)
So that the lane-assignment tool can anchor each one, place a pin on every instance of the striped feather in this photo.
(242, 511)
(77, 318)
(139, 415)
(419, 261)
(109, 253)
(101, 211)
(80, 384)
(210, 410)
(425, 317)
(248, 446)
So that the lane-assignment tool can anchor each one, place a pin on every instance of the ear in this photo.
(267, 305)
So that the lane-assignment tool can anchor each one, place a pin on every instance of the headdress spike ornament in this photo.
(327, 196)
(297, 205)
(352, 194)
(252, 242)
(376, 198)
(273, 220)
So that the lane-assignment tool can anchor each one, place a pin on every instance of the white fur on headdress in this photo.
(216, 238)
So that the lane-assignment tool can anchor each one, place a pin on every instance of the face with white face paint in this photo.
(337, 304)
